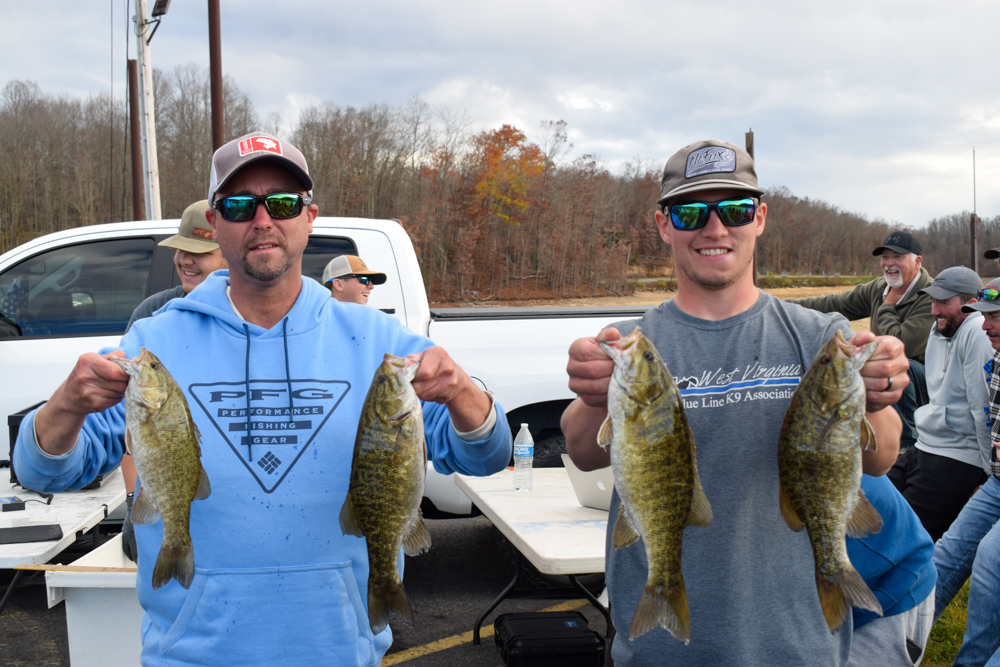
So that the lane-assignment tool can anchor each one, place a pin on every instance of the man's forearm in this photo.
(580, 424)
(887, 427)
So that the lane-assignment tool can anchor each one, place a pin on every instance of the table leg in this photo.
(497, 601)
(594, 601)
(10, 589)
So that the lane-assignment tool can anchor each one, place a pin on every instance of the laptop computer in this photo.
(593, 488)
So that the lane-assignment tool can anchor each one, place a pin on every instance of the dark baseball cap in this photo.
(708, 165)
(238, 153)
(992, 253)
(952, 281)
(984, 306)
(901, 242)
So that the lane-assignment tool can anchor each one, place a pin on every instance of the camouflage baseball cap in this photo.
(238, 153)
(708, 165)
(195, 234)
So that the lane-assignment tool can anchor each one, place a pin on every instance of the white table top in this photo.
(74, 511)
(547, 524)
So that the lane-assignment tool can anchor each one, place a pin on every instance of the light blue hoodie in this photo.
(276, 581)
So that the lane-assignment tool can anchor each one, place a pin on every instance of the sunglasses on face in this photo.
(280, 206)
(694, 215)
(364, 280)
(988, 294)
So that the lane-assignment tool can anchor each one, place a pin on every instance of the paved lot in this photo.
(448, 587)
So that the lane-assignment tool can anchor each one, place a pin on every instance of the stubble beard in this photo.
(719, 281)
(265, 272)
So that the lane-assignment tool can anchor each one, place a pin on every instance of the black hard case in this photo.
(548, 639)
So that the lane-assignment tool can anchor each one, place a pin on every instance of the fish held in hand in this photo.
(166, 450)
(387, 485)
(656, 476)
(819, 465)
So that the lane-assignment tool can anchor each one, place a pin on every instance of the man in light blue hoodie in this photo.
(952, 454)
(275, 373)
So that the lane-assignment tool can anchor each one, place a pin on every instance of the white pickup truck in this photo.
(74, 291)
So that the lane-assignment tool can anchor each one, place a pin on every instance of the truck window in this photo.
(322, 249)
(85, 289)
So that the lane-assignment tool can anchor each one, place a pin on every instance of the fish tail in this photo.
(174, 562)
(669, 611)
(384, 600)
(837, 594)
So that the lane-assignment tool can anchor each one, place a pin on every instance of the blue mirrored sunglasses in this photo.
(280, 206)
(694, 215)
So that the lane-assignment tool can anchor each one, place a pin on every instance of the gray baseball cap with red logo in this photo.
(238, 153)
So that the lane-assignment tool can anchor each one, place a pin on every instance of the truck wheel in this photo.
(551, 444)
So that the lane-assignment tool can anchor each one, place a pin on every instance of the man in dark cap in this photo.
(952, 453)
(897, 307)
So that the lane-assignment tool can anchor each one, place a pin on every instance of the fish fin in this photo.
(128, 441)
(386, 599)
(604, 435)
(868, 440)
(839, 593)
(204, 488)
(701, 510)
(174, 562)
(144, 512)
(864, 519)
(348, 522)
(670, 612)
(788, 512)
(418, 540)
(624, 533)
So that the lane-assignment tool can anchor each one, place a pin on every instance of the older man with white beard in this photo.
(897, 307)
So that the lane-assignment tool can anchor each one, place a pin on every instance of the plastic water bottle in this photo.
(524, 454)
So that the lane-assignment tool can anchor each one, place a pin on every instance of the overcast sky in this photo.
(874, 106)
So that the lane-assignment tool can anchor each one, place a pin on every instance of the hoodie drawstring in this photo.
(246, 382)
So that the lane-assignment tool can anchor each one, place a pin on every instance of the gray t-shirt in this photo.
(750, 579)
(153, 303)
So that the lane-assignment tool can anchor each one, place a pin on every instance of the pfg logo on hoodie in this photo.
(271, 423)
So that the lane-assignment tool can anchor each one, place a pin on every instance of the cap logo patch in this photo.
(202, 233)
(894, 239)
(255, 144)
(710, 160)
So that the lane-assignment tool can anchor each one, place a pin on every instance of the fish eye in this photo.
(825, 359)
(381, 379)
(155, 366)
(648, 356)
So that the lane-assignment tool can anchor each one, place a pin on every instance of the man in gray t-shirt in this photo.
(737, 355)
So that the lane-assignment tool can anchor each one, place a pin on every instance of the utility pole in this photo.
(972, 222)
(148, 133)
(748, 139)
(135, 131)
(215, 73)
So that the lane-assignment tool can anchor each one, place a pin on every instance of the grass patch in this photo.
(946, 635)
(772, 281)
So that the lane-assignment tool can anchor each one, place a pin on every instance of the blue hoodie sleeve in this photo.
(97, 451)
(448, 451)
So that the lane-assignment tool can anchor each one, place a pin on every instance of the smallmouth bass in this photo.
(656, 476)
(166, 449)
(387, 485)
(819, 466)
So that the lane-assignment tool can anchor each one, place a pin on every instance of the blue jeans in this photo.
(972, 547)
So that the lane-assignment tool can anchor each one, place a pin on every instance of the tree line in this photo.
(491, 213)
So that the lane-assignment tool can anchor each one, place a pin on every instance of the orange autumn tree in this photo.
(501, 169)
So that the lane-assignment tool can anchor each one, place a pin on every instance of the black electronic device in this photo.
(548, 639)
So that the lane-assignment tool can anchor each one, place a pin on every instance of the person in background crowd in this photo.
(970, 549)
(897, 307)
(897, 564)
(952, 454)
(751, 583)
(350, 280)
(196, 254)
